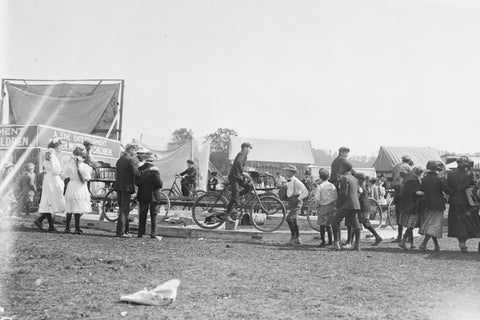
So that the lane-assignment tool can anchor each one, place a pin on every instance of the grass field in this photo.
(59, 276)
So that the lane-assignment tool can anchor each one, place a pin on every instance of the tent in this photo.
(272, 155)
(173, 161)
(476, 163)
(368, 172)
(389, 156)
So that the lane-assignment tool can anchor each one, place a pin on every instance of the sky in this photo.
(338, 73)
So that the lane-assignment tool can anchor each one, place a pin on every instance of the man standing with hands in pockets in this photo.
(296, 192)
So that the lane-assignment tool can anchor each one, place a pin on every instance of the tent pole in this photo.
(1, 102)
(119, 124)
(96, 86)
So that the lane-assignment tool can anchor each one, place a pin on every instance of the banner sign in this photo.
(17, 136)
(101, 147)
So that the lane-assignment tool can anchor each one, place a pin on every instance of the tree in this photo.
(219, 144)
(180, 136)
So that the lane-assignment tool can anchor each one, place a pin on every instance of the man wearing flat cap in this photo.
(126, 173)
(296, 192)
(337, 164)
(189, 177)
(237, 178)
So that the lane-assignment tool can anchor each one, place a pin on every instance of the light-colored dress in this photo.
(77, 197)
(52, 188)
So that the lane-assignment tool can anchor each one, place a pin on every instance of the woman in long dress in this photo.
(77, 197)
(52, 200)
(409, 205)
(463, 217)
(434, 189)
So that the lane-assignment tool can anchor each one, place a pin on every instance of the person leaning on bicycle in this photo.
(188, 178)
(238, 178)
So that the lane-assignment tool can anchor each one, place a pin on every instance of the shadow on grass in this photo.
(440, 255)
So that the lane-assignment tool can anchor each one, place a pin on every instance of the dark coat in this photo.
(126, 172)
(434, 188)
(239, 163)
(409, 200)
(364, 198)
(348, 193)
(337, 164)
(189, 175)
(459, 181)
(148, 182)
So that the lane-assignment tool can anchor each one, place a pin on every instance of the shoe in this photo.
(125, 235)
(329, 243)
(402, 245)
(140, 235)
(291, 241)
(437, 248)
(463, 247)
(377, 241)
(336, 245)
(356, 247)
(78, 231)
(67, 231)
(157, 238)
(413, 247)
(39, 225)
(322, 245)
(52, 230)
(347, 246)
(297, 241)
(395, 240)
(423, 248)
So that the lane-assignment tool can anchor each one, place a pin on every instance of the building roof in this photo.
(389, 156)
(282, 151)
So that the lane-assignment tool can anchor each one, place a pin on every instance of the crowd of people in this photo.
(341, 194)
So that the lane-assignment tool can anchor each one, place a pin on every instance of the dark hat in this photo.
(290, 167)
(131, 145)
(343, 149)
(79, 151)
(406, 158)
(432, 165)
(190, 161)
(149, 156)
(360, 176)
(323, 173)
(464, 161)
(246, 145)
(417, 170)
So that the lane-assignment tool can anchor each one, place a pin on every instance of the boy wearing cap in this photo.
(28, 188)
(296, 192)
(325, 198)
(348, 205)
(148, 184)
(238, 178)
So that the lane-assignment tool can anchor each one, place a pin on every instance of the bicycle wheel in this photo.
(312, 212)
(267, 213)
(208, 210)
(110, 206)
(163, 207)
(375, 214)
(392, 215)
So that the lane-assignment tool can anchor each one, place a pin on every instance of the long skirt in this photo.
(407, 219)
(52, 194)
(463, 222)
(431, 223)
(77, 198)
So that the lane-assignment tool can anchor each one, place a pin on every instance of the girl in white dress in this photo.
(77, 197)
(52, 188)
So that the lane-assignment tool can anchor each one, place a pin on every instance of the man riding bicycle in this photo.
(238, 178)
(188, 178)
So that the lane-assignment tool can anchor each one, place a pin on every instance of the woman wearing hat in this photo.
(463, 218)
(433, 188)
(409, 205)
(77, 197)
(52, 188)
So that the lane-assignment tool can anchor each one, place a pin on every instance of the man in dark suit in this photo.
(348, 204)
(126, 172)
(148, 184)
(337, 164)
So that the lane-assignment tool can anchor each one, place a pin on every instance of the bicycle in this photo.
(110, 206)
(375, 214)
(176, 190)
(266, 212)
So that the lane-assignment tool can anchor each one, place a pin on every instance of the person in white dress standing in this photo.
(52, 200)
(77, 197)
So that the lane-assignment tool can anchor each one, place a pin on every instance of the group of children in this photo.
(326, 200)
